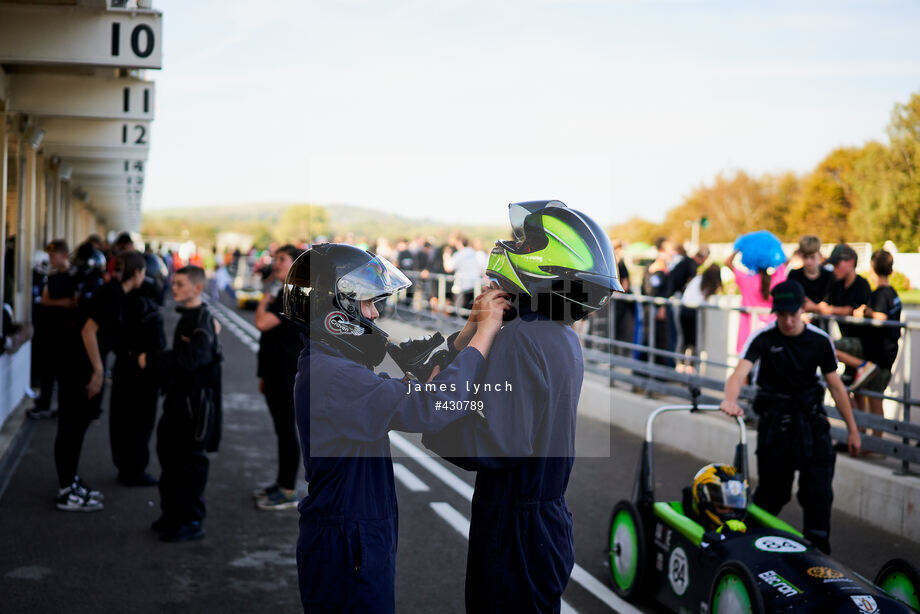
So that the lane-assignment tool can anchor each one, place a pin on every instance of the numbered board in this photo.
(48, 95)
(113, 134)
(52, 35)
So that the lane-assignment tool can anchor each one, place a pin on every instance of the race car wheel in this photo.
(901, 580)
(734, 591)
(627, 551)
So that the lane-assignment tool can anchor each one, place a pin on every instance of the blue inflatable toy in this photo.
(760, 250)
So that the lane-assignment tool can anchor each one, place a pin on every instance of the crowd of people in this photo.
(107, 300)
(104, 300)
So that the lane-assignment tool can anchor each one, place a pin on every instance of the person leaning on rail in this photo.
(793, 433)
(346, 551)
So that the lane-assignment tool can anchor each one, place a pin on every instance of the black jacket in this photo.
(193, 373)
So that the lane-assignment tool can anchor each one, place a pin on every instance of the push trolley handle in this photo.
(691, 408)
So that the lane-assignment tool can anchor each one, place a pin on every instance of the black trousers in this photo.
(74, 417)
(790, 443)
(184, 465)
(132, 416)
(48, 363)
(279, 395)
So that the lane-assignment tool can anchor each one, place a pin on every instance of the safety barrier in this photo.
(634, 363)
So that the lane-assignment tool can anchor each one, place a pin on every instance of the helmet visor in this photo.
(733, 494)
(374, 279)
(518, 212)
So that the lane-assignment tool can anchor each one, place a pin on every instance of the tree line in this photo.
(869, 193)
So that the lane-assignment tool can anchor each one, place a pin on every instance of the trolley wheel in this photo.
(627, 550)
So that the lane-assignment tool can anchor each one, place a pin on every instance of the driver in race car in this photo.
(719, 499)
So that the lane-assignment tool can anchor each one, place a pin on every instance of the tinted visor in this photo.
(731, 493)
(374, 279)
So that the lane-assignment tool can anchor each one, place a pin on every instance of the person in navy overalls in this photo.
(346, 551)
(559, 268)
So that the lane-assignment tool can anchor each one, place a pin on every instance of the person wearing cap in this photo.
(846, 292)
(793, 433)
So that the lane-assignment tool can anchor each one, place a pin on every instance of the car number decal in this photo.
(678, 571)
(775, 543)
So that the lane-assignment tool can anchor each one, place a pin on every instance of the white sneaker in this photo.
(75, 498)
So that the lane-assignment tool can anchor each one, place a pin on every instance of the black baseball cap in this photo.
(788, 296)
(842, 252)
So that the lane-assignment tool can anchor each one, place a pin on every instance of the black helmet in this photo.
(87, 258)
(557, 251)
(155, 277)
(323, 293)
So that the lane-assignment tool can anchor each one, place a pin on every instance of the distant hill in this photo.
(217, 213)
(343, 219)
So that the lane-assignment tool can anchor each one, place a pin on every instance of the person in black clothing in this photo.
(191, 422)
(98, 332)
(846, 293)
(685, 269)
(813, 277)
(793, 433)
(58, 306)
(656, 283)
(681, 274)
(136, 385)
(874, 354)
(279, 348)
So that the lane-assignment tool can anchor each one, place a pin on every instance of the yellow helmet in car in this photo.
(719, 494)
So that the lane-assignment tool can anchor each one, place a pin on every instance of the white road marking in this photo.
(459, 522)
(240, 334)
(409, 479)
(579, 575)
(452, 516)
(566, 609)
(433, 466)
(249, 328)
(600, 590)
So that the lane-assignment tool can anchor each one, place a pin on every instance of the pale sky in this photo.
(450, 109)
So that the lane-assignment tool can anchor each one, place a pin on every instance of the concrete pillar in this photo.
(4, 180)
(26, 240)
(68, 213)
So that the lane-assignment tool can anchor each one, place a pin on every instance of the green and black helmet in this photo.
(556, 250)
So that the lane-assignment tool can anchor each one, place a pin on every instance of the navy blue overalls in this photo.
(521, 548)
(346, 553)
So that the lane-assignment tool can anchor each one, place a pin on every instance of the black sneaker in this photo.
(75, 498)
(185, 533)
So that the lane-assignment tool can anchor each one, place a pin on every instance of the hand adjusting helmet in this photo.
(720, 495)
(556, 252)
(323, 294)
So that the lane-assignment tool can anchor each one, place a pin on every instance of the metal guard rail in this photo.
(665, 380)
